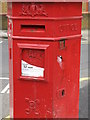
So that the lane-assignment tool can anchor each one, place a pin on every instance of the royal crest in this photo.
(33, 9)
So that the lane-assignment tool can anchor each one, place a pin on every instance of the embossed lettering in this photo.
(68, 27)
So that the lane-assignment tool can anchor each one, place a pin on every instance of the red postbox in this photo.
(44, 58)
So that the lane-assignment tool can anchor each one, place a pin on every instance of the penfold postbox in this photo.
(44, 58)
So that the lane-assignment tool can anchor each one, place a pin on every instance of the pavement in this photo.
(4, 75)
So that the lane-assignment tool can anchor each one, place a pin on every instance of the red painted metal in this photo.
(44, 50)
(51, 39)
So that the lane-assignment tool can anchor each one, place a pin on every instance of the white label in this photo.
(31, 70)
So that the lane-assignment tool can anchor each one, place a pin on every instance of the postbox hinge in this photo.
(10, 53)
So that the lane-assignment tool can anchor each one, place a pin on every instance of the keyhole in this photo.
(63, 92)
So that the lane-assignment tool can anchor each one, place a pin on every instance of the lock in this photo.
(62, 44)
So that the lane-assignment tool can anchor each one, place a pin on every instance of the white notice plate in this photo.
(31, 70)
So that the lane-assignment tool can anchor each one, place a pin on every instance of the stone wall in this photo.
(3, 18)
(3, 5)
(86, 16)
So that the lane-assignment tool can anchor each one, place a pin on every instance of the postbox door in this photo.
(33, 79)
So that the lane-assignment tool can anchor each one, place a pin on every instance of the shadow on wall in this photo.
(85, 21)
(3, 20)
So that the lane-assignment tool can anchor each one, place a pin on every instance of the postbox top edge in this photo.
(46, 0)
